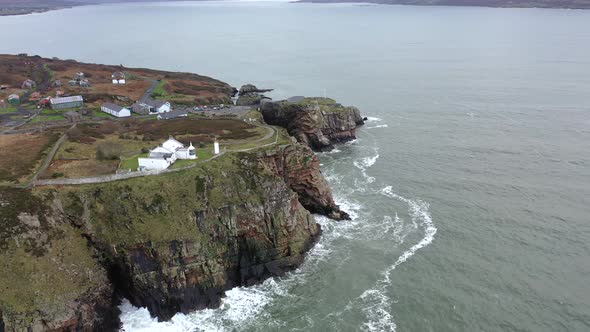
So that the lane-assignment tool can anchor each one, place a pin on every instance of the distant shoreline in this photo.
(20, 7)
(564, 4)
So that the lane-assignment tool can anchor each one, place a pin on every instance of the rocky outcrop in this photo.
(250, 95)
(300, 168)
(317, 122)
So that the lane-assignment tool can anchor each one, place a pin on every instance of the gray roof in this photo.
(172, 115)
(154, 103)
(62, 100)
(113, 107)
(160, 155)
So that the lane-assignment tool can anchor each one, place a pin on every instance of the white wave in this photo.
(375, 304)
(373, 119)
(364, 163)
(375, 300)
(333, 151)
(354, 141)
(378, 126)
(419, 210)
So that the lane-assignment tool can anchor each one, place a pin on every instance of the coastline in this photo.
(172, 242)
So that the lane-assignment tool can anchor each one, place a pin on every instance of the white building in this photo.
(216, 147)
(158, 106)
(115, 110)
(118, 77)
(166, 154)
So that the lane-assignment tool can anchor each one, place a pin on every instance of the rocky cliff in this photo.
(171, 243)
(317, 122)
(250, 95)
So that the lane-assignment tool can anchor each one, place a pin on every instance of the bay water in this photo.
(469, 186)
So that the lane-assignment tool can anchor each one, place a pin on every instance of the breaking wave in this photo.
(378, 126)
(364, 163)
(373, 119)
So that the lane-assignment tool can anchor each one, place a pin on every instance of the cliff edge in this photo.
(171, 243)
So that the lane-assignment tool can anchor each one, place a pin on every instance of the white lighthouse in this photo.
(215, 147)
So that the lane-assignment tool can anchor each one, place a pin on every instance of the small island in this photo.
(152, 186)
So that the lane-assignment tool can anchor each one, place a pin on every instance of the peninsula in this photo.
(83, 224)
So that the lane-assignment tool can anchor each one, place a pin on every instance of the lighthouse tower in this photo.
(191, 152)
(216, 147)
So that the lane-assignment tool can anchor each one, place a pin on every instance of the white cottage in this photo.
(166, 154)
(115, 110)
(118, 77)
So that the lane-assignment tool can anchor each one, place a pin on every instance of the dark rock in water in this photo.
(250, 99)
(251, 88)
(250, 95)
(317, 122)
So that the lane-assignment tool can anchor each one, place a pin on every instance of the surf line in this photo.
(379, 318)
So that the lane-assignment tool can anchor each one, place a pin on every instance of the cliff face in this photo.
(300, 169)
(171, 243)
(48, 276)
(316, 122)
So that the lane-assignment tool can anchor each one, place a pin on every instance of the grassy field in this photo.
(78, 159)
(21, 153)
(46, 118)
(131, 163)
(9, 109)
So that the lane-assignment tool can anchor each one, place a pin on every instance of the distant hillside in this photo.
(573, 4)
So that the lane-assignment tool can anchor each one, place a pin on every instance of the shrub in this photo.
(145, 150)
(108, 151)
(108, 127)
(74, 134)
(57, 175)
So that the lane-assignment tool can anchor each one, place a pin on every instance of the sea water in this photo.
(468, 187)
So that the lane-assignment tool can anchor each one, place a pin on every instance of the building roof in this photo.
(155, 103)
(62, 100)
(172, 115)
(118, 74)
(113, 107)
(13, 96)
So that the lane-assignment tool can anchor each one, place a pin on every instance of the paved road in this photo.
(147, 95)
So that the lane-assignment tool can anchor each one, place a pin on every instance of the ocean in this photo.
(469, 186)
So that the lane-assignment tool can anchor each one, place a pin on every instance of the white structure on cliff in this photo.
(216, 147)
(166, 154)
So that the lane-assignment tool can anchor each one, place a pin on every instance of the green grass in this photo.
(48, 111)
(159, 91)
(9, 109)
(131, 163)
(45, 118)
(101, 114)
